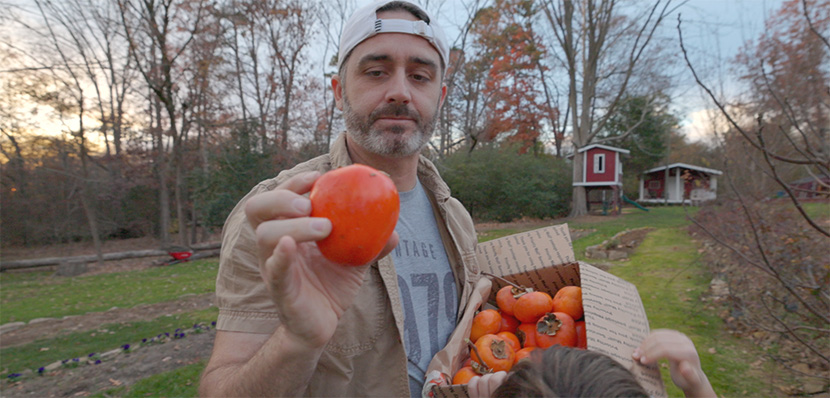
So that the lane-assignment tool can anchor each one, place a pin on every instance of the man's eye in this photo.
(374, 73)
(420, 78)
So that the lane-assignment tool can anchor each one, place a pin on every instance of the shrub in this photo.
(775, 267)
(499, 184)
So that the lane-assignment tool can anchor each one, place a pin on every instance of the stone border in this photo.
(607, 250)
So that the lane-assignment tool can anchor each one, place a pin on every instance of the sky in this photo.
(713, 31)
(717, 29)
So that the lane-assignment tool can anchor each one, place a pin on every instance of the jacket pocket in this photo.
(365, 321)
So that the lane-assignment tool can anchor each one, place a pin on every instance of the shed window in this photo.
(599, 163)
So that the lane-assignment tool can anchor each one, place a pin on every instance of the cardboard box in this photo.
(615, 319)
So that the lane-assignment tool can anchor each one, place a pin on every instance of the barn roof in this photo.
(684, 166)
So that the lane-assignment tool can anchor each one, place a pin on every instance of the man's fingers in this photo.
(304, 229)
(301, 183)
(279, 260)
(286, 200)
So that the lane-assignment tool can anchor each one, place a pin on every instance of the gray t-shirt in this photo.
(426, 282)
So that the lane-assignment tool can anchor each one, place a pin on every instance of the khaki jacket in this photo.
(366, 356)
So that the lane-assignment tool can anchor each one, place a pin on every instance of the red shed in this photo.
(683, 183)
(811, 187)
(601, 173)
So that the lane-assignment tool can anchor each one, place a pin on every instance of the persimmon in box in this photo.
(614, 318)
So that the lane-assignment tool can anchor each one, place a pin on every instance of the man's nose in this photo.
(398, 89)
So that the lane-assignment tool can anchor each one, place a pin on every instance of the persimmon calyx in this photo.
(499, 348)
(480, 367)
(519, 291)
(549, 324)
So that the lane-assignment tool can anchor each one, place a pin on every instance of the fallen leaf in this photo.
(713, 350)
(115, 382)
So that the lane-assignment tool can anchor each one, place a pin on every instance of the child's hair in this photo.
(569, 372)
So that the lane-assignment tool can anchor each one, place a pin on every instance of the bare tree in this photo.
(332, 15)
(159, 32)
(781, 257)
(603, 49)
(74, 75)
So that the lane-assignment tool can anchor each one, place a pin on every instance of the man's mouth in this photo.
(395, 114)
(395, 118)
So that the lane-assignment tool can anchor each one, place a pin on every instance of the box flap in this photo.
(526, 251)
(616, 323)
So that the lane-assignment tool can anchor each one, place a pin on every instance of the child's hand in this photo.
(484, 386)
(684, 362)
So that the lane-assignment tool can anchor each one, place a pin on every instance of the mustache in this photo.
(394, 110)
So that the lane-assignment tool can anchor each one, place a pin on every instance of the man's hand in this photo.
(301, 281)
(684, 362)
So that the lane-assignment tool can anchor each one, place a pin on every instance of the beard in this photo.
(391, 141)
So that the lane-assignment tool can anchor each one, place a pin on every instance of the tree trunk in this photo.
(161, 175)
(182, 223)
(579, 205)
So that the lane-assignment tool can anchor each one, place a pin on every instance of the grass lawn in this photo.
(182, 382)
(29, 295)
(671, 280)
(665, 269)
(815, 210)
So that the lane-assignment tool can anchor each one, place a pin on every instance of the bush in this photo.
(774, 268)
(498, 184)
(242, 162)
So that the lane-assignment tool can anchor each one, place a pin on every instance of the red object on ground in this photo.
(181, 255)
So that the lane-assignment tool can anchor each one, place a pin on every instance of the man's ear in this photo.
(337, 87)
(443, 96)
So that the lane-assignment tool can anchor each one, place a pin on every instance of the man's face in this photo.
(391, 92)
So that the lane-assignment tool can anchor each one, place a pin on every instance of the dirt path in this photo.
(121, 370)
(49, 328)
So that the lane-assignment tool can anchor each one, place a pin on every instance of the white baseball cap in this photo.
(364, 23)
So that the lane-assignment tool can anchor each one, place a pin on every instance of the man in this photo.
(293, 323)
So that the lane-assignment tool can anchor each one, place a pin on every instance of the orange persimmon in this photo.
(555, 328)
(531, 306)
(525, 353)
(509, 323)
(512, 339)
(494, 352)
(485, 322)
(569, 300)
(463, 375)
(526, 333)
(581, 336)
